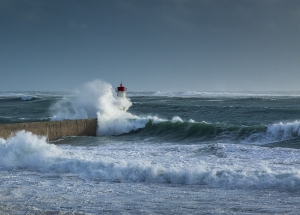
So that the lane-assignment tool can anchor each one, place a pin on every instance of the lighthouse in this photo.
(121, 91)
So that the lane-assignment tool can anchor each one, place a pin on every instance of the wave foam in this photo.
(273, 133)
(212, 94)
(222, 165)
(177, 94)
(283, 131)
(26, 150)
(26, 98)
(176, 119)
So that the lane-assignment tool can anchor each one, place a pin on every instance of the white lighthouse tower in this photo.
(121, 91)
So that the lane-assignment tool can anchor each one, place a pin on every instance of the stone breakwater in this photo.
(53, 129)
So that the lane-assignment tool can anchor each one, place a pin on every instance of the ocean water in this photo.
(170, 153)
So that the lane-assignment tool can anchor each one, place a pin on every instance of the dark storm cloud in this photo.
(235, 14)
(232, 44)
(218, 15)
(225, 13)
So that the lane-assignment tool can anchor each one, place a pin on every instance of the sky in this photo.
(151, 45)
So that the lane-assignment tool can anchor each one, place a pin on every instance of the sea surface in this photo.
(169, 153)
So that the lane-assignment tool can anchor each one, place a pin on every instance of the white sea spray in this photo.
(96, 99)
(25, 149)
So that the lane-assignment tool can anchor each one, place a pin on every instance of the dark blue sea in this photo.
(169, 153)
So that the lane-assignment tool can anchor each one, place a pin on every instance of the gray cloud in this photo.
(200, 44)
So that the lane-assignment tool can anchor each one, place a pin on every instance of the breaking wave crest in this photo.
(19, 98)
(276, 133)
(190, 131)
(283, 131)
(212, 165)
(26, 150)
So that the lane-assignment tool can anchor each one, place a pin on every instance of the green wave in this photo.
(198, 131)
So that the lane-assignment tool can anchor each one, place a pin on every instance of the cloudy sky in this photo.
(167, 45)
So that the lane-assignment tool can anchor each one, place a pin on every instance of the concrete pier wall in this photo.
(53, 129)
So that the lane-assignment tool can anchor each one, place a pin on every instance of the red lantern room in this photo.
(121, 88)
(121, 91)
